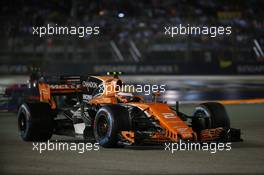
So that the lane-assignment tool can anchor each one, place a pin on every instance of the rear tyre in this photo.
(35, 122)
(210, 115)
(108, 123)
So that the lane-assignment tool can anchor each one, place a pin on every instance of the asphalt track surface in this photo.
(247, 157)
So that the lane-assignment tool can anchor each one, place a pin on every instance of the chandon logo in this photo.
(88, 84)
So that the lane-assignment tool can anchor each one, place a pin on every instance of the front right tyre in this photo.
(210, 115)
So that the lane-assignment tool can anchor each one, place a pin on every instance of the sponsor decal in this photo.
(64, 86)
(169, 115)
(89, 84)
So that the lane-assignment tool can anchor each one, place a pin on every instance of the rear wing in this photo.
(67, 84)
(63, 79)
(59, 85)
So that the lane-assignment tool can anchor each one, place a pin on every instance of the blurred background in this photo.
(132, 34)
(132, 40)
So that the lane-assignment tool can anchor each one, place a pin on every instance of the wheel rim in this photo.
(204, 119)
(22, 123)
(103, 126)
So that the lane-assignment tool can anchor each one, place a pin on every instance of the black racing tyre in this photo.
(35, 122)
(108, 122)
(210, 115)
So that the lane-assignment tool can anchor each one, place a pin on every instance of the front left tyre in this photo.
(109, 121)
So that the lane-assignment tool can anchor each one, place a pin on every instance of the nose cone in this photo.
(171, 122)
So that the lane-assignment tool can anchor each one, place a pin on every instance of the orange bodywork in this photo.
(210, 134)
(46, 91)
(174, 128)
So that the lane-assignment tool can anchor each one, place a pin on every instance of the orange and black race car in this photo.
(95, 108)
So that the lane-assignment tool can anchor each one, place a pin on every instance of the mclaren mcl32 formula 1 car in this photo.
(83, 106)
